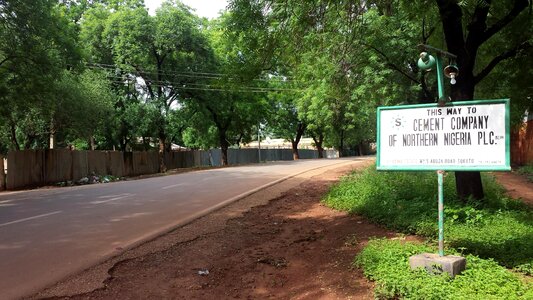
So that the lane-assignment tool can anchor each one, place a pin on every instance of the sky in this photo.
(204, 8)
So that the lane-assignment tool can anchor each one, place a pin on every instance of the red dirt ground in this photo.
(517, 186)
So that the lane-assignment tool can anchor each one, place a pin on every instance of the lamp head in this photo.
(451, 71)
(426, 62)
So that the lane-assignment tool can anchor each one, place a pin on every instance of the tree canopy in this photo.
(105, 74)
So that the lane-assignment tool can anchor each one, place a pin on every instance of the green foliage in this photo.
(37, 43)
(386, 262)
(332, 64)
(527, 171)
(499, 228)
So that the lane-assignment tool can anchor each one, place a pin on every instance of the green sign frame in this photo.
(506, 167)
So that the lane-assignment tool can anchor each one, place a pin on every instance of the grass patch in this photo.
(492, 234)
(386, 262)
(527, 171)
(498, 228)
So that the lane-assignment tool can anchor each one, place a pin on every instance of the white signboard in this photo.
(467, 136)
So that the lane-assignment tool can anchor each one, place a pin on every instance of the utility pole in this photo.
(259, 139)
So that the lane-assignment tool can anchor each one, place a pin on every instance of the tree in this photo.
(483, 23)
(285, 121)
(39, 45)
(230, 102)
(150, 59)
(374, 43)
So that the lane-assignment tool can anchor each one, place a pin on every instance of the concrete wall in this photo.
(30, 168)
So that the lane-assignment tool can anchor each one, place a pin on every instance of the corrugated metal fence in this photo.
(522, 144)
(30, 168)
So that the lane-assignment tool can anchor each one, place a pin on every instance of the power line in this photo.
(211, 88)
(206, 75)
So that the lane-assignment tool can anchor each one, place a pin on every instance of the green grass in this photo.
(496, 233)
(526, 171)
(386, 262)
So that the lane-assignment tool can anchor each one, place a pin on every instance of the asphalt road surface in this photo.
(48, 234)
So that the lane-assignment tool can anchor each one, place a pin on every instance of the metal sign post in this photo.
(441, 212)
(442, 101)
(425, 63)
(448, 136)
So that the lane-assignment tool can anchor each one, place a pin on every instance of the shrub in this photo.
(526, 171)
(386, 262)
(498, 227)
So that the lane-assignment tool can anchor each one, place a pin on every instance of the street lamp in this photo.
(427, 62)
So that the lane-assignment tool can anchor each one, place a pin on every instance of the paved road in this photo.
(47, 234)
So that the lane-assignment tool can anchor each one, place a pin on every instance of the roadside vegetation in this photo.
(527, 171)
(386, 262)
(496, 233)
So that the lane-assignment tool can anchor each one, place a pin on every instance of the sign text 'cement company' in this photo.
(470, 135)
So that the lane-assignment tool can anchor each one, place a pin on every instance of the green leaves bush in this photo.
(526, 171)
(498, 227)
(386, 262)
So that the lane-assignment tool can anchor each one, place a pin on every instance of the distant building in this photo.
(268, 143)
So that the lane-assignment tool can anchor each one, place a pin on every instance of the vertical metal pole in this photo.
(442, 100)
(441, 212)
(259, 139)
(440, 78)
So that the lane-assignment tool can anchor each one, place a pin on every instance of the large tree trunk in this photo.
(468, 184)
(466, 47)
(362, 147)
(294, 143)
(53, 141)
(340, 146)
(92, 143)
(318, 143)
(224, 145)
(295, 154)
(162, 143)
(13, 136)
(2, 174)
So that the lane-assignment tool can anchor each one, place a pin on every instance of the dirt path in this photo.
(517, 186)
(287, 246)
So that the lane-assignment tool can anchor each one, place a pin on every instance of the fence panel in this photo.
(522, 144)
(2, 173)
(242, 156)
(528, 144)
(145, 163)
(97, 162)
(115, 163)
(308, 154)
(128, 163)
(187, 159)
(39, 167)
(205, 158)
(286, 154)
(80, 164)
(57, 165)
(172, 160)
(216, 157)
(25, 169)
